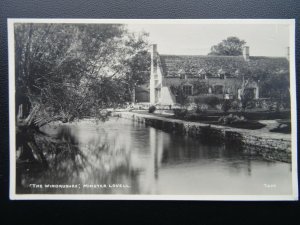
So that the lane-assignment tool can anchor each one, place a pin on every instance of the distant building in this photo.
(207, 75)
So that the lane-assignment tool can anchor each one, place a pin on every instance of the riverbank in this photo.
(271, 146)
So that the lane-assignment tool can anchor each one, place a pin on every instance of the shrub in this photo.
(251, 105)
(236, 105)
(284, 128)
(201, 108)
(218, 107)
(180, 113)
(151, 109)
(239, 122)
(229, 119)
(226, 105)
(212, 101)
(199, 100)
(192, 106)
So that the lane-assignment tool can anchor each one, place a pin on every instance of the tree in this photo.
(277, 88)
(138, 72)
(68, 71)
(44, 61)
(231, 46)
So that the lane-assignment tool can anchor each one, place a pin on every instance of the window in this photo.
(202, 76)
(218, 89)
(183, 76)
(249, 93)
(187, 90)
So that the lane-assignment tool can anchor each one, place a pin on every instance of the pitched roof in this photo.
(191, 65)
(275, 64)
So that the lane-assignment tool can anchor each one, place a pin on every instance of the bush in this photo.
(284, 128)
(231, 119)
(226, 105)
(239, 122)
(251, 105)
(212, 101)
(201, 108)
(180, 113)
(151, 109)
(199, 100)
(236, 105)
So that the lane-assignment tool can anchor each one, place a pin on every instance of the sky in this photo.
(197, 39)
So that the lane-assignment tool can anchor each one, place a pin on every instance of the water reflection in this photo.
(123, 157)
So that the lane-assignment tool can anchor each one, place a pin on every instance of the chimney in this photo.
(153, 76)
(154, 60)
(246, 53)
(288, 53)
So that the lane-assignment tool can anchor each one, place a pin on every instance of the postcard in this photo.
(152, 109)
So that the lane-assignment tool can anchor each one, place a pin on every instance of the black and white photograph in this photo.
(152, 109)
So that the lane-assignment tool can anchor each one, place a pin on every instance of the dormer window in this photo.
(221, 74)
(182, 74)
(202, 74)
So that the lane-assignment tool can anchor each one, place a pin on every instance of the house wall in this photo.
(229, 83)
(159, 72)
(160, 85)
(167, 97)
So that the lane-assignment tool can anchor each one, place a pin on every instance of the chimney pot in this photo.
(246, 53)
(154, 49)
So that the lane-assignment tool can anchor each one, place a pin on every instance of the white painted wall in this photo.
(167, 98)
(153, 73)
(156, 74)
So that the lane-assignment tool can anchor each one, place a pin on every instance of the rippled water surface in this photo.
(123, 157)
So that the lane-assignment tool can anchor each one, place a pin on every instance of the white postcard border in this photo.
(12, 138)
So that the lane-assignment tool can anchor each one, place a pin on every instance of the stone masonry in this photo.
(270, 146)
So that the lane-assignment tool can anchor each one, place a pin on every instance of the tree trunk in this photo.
(25, 137)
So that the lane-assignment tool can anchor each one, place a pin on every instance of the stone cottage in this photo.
(205, 75)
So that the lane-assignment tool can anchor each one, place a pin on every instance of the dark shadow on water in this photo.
(70, 163)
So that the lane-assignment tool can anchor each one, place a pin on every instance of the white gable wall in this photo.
(167, 98)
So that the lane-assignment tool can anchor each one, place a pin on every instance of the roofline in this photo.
(229, 56)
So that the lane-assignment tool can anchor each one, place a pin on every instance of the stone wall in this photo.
(232, 84)
(250, 142)
(270, 148)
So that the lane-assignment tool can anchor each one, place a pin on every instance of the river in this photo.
(120, 156)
